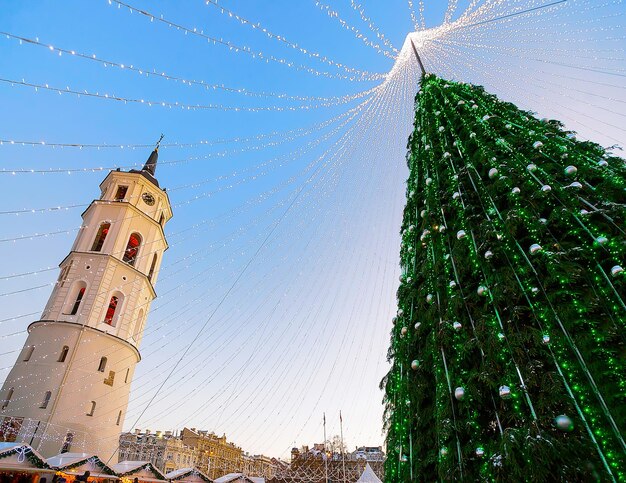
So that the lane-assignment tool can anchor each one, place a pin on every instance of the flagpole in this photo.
(325, 453)
(343, 453)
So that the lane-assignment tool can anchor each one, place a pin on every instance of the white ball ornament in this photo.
(545, 339)
(546, 188)
(459, 393)
(460, 103)
(437, 113)
(456, 195)
(414, 365)
(423, 213)
(427, 147)
(543, 221)
(500, 336)
(452, 284)
(400, 313)
(472, 135)
(457, 326)
(601, 240)
(400, 278)
(441, 128)
(537, 144)
(486, 117)
(617, 270)
(535, 248)
(443, 452)
(480, 452)
(488, 254)
(429, 298)
(508, 126)
(493, 172)
(602, 163)
(417, 325)
(571, 170)
(429, 181)
(460, 234)
(531, 167)
(564, 423)
(482, 291)
(411, 227)
(515, 191)
(442, 229)
(446, 155)
(409, 280)
(394, 320)
(575, 185)
(534, 290)
(504, 392)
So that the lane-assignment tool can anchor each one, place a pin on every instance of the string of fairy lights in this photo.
(287, 318)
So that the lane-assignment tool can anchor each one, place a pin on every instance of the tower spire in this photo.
(151, 163)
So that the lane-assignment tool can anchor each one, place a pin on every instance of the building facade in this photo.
(163, 449)
(69, 387)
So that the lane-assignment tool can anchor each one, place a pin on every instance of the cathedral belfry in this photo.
(68, 390)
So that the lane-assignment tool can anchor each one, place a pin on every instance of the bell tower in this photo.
(69, 388)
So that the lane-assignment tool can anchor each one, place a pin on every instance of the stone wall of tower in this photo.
(70, 386)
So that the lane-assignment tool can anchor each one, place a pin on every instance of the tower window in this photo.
(79, 297)
(120, 194)
(126, 377)
(67, 443)
(152, 267)
(162, 219)
(132, 248)
(92, 408)
(108, 318)
(46, 400)
(63, 354)
(103, 364)
(119, 418)
(7, 398)
(103, 231)
(28, 352)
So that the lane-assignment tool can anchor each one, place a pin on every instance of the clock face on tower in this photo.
(148, 199)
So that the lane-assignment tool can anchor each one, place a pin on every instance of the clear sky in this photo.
(306, 328)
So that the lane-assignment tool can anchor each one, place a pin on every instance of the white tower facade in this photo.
(69, 388)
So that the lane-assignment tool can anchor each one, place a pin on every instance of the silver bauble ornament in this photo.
(442, 229)
(505, 392)
(508, 126)
(446, 155)
(601, 240)
(472, 135)
(417, 325)
(493, 172)
(409, 280)
(482, 290)
(457, 326)
(537, 144)
(429, 298)
(405, 458)
(480, 452)
(423, 213)
(571, 170)
(543, 221)
(459, 393)
(400, 313)
(443, 451)
(616, 270)
(515, 191)
(456, 195)
(531, 167)
(500, 336)
(441, 128)
(414, 365)
(488, 254)
(404, 330)
(460, 103)
(583, 212)
(437, 113)
(575, 185)
(564, 423)
(546, 188)
(428, 181)
(474, 106)
(545, 339)
(460, 234)
(452, 284)
(486, 117)
(394, 320)
(535, 248)
(602, 163)
(411, 227)
(401, 278)
(427, 147)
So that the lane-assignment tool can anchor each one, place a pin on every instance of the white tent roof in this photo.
(184, 472)
(368, 476)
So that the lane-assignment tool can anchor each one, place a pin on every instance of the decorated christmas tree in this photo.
(507, 351)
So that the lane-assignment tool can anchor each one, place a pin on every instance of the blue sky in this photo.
(306, 330)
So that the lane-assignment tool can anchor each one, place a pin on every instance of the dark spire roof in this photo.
(149, 168)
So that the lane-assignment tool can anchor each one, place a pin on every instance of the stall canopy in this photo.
(368, 476)
(234, 478)
(144, 471)
(19, 457)
(188, 475)
(78, 463)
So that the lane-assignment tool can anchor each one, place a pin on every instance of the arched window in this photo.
(152, 267)
(67, 443)
(63, 354)
(119, 418)
(110, 315)
(7, 398)
(28, 352)
(126, 376)
(76, 294)
(92, 408)
(132, 249)
(120, 194)
(103, 231)
(103, 364)
(46, 400)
